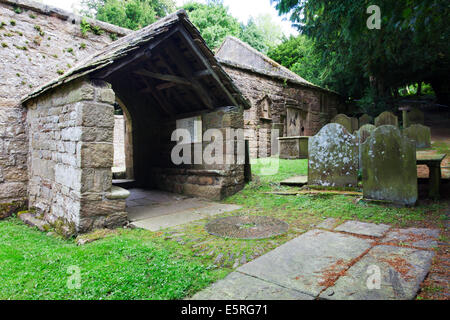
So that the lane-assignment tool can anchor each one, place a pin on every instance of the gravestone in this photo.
(365, 119)
(420, 134)
(293, 147)
(389, 169)
(355, 124)
(386, 118)
(344, 121)
(363, 133)
(416, 116)
(333, 157)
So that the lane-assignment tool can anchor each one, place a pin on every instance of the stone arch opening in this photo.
(123, 143)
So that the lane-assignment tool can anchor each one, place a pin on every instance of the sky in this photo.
(241, 9)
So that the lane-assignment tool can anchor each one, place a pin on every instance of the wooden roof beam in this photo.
(205, 62)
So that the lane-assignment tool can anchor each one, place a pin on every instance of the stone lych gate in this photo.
(161, 76)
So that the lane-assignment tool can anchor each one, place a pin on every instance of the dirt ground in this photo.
(437, 283)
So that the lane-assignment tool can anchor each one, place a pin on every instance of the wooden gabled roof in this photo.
(185, 64)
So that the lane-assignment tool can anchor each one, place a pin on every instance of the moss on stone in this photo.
(10, 208)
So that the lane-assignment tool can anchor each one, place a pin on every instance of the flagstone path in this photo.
(352, 261)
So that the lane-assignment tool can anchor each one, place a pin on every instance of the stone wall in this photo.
(211, 181)
(71, 155)
(318, 106)
(37, 43)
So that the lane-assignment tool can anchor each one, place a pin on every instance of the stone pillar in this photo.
(99, 209)
(71, 154)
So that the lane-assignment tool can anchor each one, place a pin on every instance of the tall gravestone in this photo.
(363, 133)
(389, 169)
(386, 118)
(416, 116)
(344, 121)
(420, 134)
(333, 157)
(365, 119)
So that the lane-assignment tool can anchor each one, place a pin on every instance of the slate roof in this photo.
(133, 42)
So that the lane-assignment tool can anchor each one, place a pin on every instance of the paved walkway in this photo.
(352, 261)
(155, 210)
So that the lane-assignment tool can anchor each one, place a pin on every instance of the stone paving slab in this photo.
(238, 286)
(180, 216)
(329, 223)
(299, 181)
(402, 270)
(416, 237)
(302, 263)
(363, 228)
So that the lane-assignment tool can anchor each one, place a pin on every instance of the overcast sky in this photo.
(241, 9)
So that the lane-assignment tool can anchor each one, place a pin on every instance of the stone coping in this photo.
(118, 193)
(293, 138)
(64, 15)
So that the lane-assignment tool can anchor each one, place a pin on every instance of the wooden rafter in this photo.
(163, 77)
(159, 98)
(188, 73)
(205, 62)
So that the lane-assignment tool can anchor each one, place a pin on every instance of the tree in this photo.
(262, 33)
(131, 14)
(411, 46)
(214, 21)
(299, 55)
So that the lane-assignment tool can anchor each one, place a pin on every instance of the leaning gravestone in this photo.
(386, 118)
(389, 167)
(420, 134)
(365, 119)
(363, 133)
(333, 157)
(416, 116)
(344, 121)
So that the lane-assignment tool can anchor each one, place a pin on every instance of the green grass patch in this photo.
(131, 264)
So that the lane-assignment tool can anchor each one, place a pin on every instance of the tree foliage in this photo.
(131, 14)
(299, 55)
(411, 46)
(215, 23)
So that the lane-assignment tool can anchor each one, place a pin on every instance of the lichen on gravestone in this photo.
(389, 171)
(333, 158)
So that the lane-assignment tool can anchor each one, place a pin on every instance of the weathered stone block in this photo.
(98, 115)
(96, 180)
(389, 167)
(386, 118)
(101, 208)
(95, 155)
(333, 157)
(106, 96)
(420, 134)
(293, 147)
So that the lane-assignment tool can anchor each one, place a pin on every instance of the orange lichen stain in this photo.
(332, 273)
(400, 265)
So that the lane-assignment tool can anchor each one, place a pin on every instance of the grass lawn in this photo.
(129, 264)
(177, 262)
